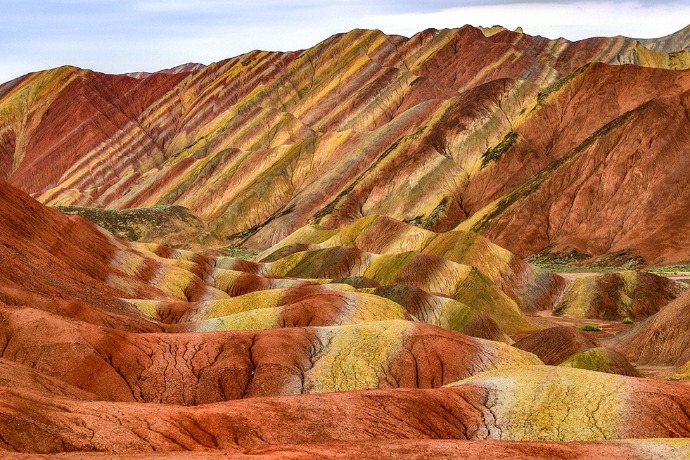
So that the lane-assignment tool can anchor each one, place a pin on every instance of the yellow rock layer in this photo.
(353, 357)
(545, 403)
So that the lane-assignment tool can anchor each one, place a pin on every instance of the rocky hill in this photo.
(324, 253)
(490, 131)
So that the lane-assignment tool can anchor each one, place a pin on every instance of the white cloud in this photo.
(571, 20)
(147, 35)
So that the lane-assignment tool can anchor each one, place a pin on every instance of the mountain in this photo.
(387, 192)
(663, 339)
(449, 128)
(579, 185)
(677, 41)
(495, 406)
(619, 295)
(188, 67)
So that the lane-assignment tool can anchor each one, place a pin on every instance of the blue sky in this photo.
(146, 35)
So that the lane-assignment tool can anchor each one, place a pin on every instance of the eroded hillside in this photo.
(325, 343)
(447, 128)
(386, 192)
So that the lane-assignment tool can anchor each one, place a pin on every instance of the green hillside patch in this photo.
(168, 224)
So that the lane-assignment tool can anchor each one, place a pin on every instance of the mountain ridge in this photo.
(244, 143)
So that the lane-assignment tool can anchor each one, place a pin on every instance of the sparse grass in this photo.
(574, 262)
(589, 327)
(238, 252)
(135, 224)
(565, 268)
(677, 269)
(558, 84)
(564, 262)
(495, 153)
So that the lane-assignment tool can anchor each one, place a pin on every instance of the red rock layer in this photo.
(196, 368)
(555, 344)
(458, 413)
(51, 255)
(663, 339)
(420, 449)
(604, 184)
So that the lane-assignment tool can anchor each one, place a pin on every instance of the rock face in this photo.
(490, 406)
(48, 254)
(531, 288)
(602, 360)
(554, 345)
(674, 42)
(684, 372)
(606, 165)
(490, 131)
(92, 328)
(666, 449)
(120, 366)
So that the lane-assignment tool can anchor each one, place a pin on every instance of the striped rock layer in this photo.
(490, 131)
(129, 349)
(663, 339)
(542, 404)
(615, 296)
(378, 336)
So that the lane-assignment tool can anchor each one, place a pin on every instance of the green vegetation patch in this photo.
(589, 327)
(136, 223)
(238, 252)
(495, 153)
(681, 267)
(558, 84)
(575, 261)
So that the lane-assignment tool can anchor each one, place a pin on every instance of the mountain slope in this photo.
(677, 41)
(490, 406)
(663, 339)
(105, 346)
(594, 185)
(363, 123)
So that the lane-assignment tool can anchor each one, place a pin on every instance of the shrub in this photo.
(589, 327)
(627, 320)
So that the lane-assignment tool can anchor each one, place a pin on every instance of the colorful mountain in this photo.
(573, 404)
(93, 327)
(459, 127)
(602, 360)
(556, 344)
(390, 189)
(677, 41)
(531, 288)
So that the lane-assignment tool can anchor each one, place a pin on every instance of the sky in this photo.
(147, 35)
